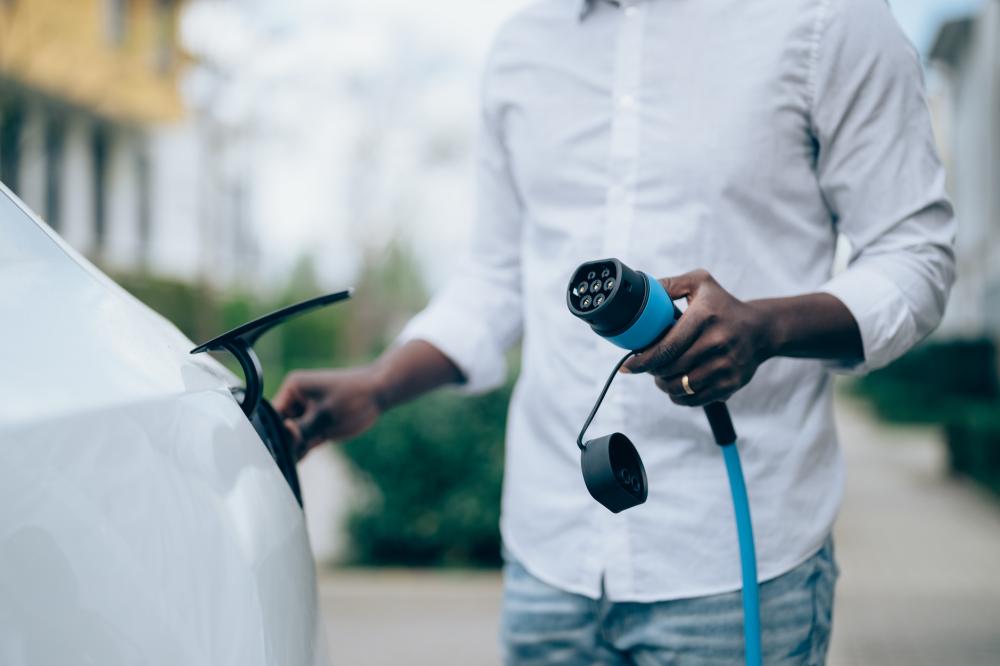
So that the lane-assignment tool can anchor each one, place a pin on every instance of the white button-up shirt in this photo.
(733, 135)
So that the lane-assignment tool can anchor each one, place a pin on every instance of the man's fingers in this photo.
(296, 392)
(311, 424)
(288, 401)
(707, 383)
(670, 347)
(682, 335)
(697, 355)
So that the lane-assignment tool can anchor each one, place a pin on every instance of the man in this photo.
(730, 136)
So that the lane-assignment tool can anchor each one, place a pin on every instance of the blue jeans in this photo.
(544, 625)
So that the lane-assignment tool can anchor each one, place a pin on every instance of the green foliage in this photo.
(954, 384)
(974, 444)
(933, 381)
(389, 291)
(434, 467)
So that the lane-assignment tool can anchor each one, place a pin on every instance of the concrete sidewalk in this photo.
(919, 554)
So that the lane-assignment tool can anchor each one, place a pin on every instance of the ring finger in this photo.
(700, 380)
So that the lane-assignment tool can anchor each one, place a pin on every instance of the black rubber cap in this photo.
(614, 473)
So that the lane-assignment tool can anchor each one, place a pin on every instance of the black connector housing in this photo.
(621, 301)
(611, 298)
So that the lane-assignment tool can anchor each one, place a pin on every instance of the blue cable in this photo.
(748, 557)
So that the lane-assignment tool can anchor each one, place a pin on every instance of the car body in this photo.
(142, 518)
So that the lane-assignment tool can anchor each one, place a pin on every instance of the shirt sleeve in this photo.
(880, 175)
(477, 317)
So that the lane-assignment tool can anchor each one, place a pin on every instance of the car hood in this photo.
(72, 340)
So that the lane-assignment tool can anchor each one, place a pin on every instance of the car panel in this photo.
(151, 533)
(142, 519)
(71, 335)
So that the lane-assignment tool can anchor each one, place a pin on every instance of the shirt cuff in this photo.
(468, 344)
(882, 313)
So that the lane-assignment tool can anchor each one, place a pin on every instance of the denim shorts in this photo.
(543, 625)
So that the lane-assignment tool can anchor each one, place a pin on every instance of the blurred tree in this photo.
(389, 291)
(311, 341)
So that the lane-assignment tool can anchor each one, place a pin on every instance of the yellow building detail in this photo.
(120, 59)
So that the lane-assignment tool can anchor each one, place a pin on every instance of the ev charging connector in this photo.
(632, 310)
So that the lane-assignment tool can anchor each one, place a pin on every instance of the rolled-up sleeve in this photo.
(477, 317)
(880, 175)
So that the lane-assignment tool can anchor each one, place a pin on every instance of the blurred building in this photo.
(94, 135)
(965, 61)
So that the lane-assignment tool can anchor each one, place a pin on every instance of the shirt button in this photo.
(626, 101)
(631, 11)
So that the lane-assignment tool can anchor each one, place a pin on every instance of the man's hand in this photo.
(718, 343)
(721, 341)
(321, 405)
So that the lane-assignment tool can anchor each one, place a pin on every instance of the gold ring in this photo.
(687, 385)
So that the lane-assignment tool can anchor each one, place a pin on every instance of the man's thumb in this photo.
(308, 427)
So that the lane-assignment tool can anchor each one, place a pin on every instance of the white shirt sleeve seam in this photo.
(819, 31)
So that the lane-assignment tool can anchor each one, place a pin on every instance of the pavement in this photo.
(918, 552)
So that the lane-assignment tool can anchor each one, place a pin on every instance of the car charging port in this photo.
(266, 421)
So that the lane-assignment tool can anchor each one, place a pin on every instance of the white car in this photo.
(143, 519)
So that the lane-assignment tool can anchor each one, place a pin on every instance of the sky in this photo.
(357, 119)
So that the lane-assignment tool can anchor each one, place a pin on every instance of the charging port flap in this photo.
(240, 341)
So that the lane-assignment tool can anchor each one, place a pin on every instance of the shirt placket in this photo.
(620, 212)
(624, 150)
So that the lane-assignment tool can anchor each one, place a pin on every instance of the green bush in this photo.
(974, 443)
(953, 384)
(933, 381)
(434, 468)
